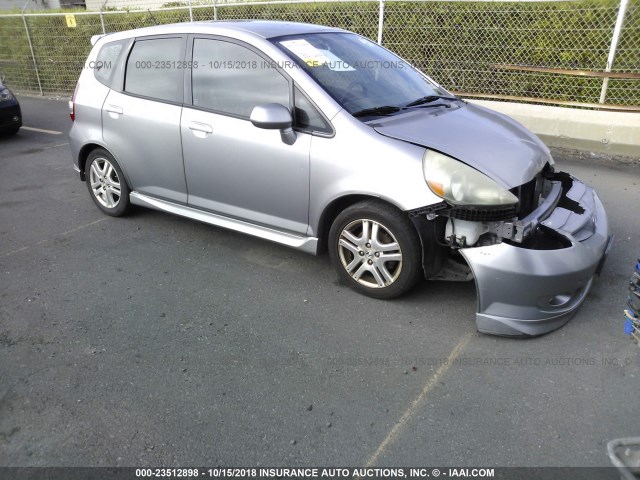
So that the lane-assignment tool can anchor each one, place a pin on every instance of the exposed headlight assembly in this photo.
(459, 184)
(6, 95)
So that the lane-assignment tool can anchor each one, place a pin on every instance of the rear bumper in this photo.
(76, 141)
(534, 288)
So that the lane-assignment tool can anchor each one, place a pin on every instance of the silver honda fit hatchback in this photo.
(318, 138)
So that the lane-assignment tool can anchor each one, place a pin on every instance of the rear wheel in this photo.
(106, 183)
(375, 249)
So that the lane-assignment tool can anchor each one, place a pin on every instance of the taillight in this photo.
(72, 104)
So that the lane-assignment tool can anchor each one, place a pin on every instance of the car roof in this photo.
(260, 28)
(272, 28)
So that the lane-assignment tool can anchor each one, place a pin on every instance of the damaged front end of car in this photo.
(533, 250)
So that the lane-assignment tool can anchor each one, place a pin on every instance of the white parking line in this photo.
(395, 431)
(41, 130)
(22, 249)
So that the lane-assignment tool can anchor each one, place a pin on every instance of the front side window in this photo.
(229, 78)
(153, 69)
(358, 73)
(307, 116)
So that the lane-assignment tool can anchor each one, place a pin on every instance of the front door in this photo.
(232, 167)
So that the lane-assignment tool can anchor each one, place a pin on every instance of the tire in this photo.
(375, 249)
(106, 183)
(10, 131)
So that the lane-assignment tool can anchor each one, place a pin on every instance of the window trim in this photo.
(188, 79)
(116, 75)
(318, 133)
(123, 77)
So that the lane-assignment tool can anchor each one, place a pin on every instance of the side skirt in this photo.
(305, 244)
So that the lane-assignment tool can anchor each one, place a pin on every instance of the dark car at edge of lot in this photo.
(10, 113)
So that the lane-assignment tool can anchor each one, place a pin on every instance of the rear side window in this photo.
(104, 67)
(153, 69)
(230, 78)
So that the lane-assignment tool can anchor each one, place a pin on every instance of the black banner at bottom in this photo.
(264, 473)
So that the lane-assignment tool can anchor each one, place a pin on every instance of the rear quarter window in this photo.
(104, 67)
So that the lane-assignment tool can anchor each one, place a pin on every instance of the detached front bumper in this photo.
(535, 287)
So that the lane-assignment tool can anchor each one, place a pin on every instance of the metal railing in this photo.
(583, 53)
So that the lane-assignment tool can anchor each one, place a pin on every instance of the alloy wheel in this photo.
(370, 253)
(105, 183)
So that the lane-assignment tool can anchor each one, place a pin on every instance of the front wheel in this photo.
(375, 249)
(106, 183)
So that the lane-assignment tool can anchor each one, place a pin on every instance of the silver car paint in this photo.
(512, 281)
(475, 135)
(246, 172)
(152, 158)
(299, 242)
(360, 161)
(529, 292)
(89, 98)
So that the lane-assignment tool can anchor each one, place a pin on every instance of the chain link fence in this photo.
(539, 51)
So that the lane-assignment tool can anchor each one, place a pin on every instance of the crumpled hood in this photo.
(490, 142)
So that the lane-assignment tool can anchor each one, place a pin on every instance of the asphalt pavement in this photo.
(153, 340)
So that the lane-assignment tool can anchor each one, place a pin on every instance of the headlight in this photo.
(6, 95)
(460, 184)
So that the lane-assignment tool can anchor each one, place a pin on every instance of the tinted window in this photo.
(105, 65)
(152, 69)
(230, 78)
(307, 116)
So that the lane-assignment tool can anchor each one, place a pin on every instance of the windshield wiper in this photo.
(377, 111)
(390, 109)
(423, 101)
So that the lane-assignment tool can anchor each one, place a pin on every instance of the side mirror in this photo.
(273, 116)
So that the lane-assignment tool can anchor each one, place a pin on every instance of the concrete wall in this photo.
(18, 4)
(34, 5)
(94, 5)
(615, 133)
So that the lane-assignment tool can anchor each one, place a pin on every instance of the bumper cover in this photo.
(532, 289)
(10, 116)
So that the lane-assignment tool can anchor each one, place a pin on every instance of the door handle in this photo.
(114, 109)
(200, 127)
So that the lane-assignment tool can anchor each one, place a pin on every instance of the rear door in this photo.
(141, 123)
(232, 167)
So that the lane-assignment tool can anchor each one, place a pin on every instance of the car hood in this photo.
(488, 141)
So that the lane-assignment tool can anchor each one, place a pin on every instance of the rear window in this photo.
(104, 67)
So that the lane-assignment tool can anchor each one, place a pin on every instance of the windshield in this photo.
(365, 79)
